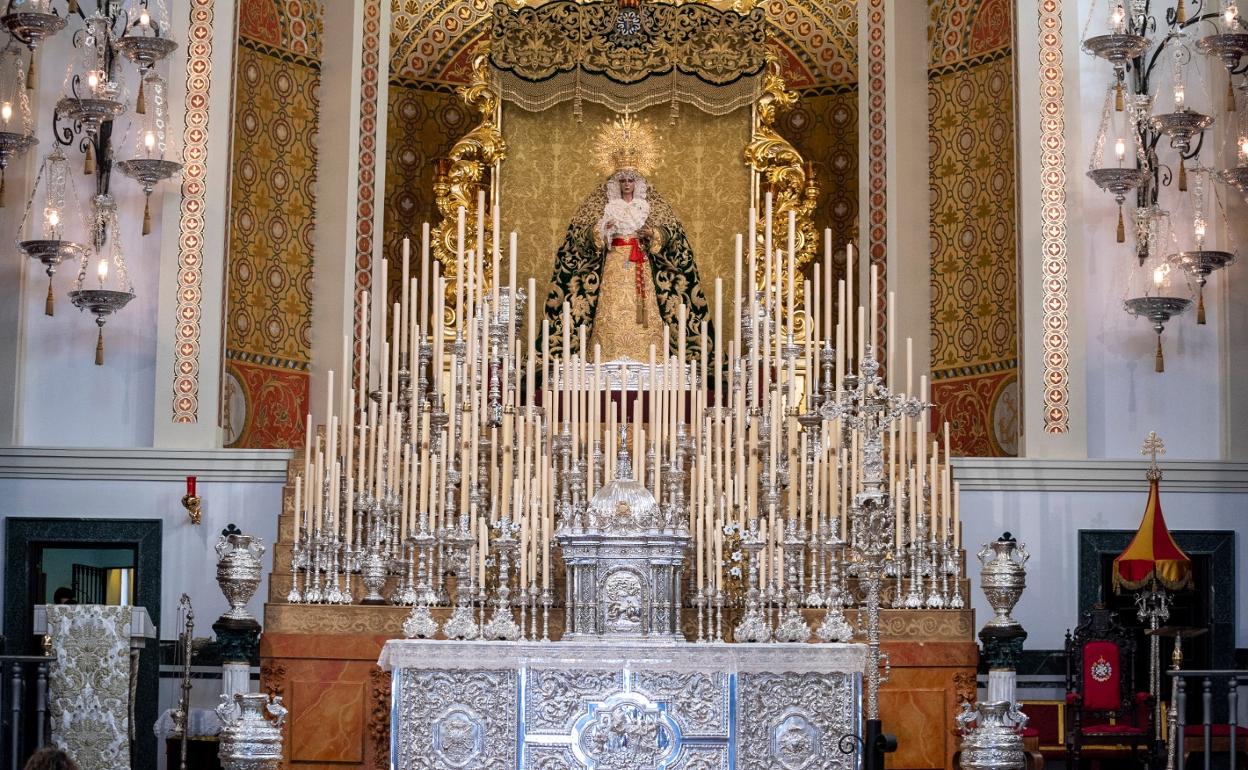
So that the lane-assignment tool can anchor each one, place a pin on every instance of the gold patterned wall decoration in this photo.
(823, 126)
(424, 121)
(700, 173)
(366, 165)
(268, 345)
(877, 163)
(191, 213)
(974, 274)
(1053, 221)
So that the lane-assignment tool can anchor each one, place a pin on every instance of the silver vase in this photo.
(238, 572)
(1003, 577)
(249, 740)
(996, 741)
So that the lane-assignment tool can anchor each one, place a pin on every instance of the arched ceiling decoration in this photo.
(434, 41)
(959, 30)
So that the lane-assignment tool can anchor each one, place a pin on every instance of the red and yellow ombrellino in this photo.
(1152, 554)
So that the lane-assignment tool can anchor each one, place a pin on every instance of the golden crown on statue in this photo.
(626, 143)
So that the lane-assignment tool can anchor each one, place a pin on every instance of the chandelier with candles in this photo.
(60, 222)
(459, 465)
(1159, 106)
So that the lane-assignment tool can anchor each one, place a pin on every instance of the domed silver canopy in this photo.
(623, 558)
(624, 505)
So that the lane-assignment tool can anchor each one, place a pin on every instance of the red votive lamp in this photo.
(190, 486)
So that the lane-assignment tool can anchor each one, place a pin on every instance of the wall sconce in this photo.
(192, 502)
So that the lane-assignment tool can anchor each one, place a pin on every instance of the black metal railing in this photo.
(1210, 738)
(23, 706)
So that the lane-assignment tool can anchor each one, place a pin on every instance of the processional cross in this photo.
(1152, 447)
(867, 405)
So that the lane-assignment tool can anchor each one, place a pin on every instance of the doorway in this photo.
(93, 559)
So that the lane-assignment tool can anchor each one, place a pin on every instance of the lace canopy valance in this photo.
(628, 57)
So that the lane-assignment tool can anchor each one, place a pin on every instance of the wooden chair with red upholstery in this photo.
(1104, 709)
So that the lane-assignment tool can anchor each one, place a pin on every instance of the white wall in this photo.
(1125, 397)
(1044, 505)
(238, 486)
(63, 398)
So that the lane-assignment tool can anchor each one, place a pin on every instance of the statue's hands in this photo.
(611, 226)
(645, 232)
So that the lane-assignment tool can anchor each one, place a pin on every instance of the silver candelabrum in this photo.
(867, 406)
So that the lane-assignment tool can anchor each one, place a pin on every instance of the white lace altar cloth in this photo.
(624, 706)
(89, 684)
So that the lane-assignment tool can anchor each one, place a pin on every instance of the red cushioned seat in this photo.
(1030, 732)
(1221, 730)
(1108, 729)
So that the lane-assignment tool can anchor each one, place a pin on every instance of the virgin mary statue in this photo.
(625, 266)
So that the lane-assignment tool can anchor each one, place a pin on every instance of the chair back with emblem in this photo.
(1103, 706)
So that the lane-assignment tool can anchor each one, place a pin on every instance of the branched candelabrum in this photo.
(502, 625)
(918, 565)
(866, 405)
(374, 564)
(956, 602)
(834, 627)
(461, 624)
(420, 623)
(753, 626)
(792, 626)
(298, 562)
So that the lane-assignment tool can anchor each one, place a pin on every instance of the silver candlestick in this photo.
(502, 624)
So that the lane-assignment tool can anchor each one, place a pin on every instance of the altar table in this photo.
(624, 705)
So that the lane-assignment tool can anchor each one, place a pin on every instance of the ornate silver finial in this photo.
(1152, 447)
(623, 460)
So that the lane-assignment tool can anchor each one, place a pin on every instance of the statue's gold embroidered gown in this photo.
(626, 324)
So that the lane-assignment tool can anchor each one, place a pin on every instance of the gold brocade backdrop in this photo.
(549, 171)
(823, 126)
(974, 269)
(268, 344)
(424, 121)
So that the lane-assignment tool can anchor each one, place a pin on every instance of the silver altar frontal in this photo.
(581, 705)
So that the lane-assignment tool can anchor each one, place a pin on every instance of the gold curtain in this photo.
(701, 172)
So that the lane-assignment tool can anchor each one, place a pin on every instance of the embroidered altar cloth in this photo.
(591, 705)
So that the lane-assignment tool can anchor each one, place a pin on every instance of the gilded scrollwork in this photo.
(464, 172)
(783, 172)
(629, 44)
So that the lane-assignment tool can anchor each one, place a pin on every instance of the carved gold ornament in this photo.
(784, 173)
(463, 173)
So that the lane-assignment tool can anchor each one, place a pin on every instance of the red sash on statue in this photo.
(637, 256)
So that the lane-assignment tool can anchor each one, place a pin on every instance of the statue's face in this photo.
(627, 185)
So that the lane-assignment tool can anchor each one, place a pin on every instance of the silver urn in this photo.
(1003, 577)
(238, 572)
(249, 739)
(996, 741)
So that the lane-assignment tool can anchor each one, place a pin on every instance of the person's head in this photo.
(627, 183)
(50, 758)
(63, 595)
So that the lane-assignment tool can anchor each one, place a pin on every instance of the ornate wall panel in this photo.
(366, 172)
(191, 214)
(877, 162)
(974, 272)
(424, 120)
(1053, 220)
(273, 200)
(824, 128)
